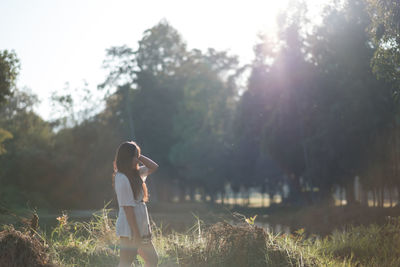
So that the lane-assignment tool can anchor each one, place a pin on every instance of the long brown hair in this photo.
(123, 163)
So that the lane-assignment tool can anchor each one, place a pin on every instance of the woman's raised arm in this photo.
(150, 164)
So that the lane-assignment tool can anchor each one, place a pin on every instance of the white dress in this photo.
(125, 198)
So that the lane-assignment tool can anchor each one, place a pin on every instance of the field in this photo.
(209, 237)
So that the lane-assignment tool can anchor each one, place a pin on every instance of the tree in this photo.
(149, 77)
(28, 161)
(9, 66)
(203, 121)
(313, 105)
(356, 106)
(280, 91)
(385, 30)
(176, 98)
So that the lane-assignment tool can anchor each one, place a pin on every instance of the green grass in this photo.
(93, 243)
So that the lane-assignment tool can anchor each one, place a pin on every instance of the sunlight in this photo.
(271, 9)
(273, 128)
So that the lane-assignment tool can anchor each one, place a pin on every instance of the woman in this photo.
(133, 225)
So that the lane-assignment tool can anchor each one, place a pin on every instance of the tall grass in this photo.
(89, 243)
(94, 243)
(373, 245)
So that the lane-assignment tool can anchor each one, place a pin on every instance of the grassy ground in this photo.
(239, 243)
(320, 219)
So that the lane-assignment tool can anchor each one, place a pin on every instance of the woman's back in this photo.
(125, 197)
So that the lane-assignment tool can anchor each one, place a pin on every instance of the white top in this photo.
(125, 197)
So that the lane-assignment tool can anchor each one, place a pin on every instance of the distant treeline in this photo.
(319, 107)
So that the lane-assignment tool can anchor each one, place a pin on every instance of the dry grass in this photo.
(242, 243)
(21, 249)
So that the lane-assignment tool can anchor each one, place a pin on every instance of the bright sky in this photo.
(59, 41)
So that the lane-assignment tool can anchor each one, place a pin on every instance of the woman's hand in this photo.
(150, 164)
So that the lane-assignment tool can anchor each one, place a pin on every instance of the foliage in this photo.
(4, 135)
(315, 108)
(9, 67)
(385, 29)
(311, 117)
(25, 167)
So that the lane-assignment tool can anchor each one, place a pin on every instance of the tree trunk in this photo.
(350, 196)
(203, 195)
(191, 193)
(364, 197)
(378, 194)
(325, 196)
(212, 197)
(397, 167)
(182, 193)
(164, 194)
(271, 198)
(262, 199)
(295, 196)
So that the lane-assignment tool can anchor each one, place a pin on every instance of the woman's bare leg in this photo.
(149, 254)
(128, 252)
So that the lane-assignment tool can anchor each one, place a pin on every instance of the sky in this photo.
(65, 41)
